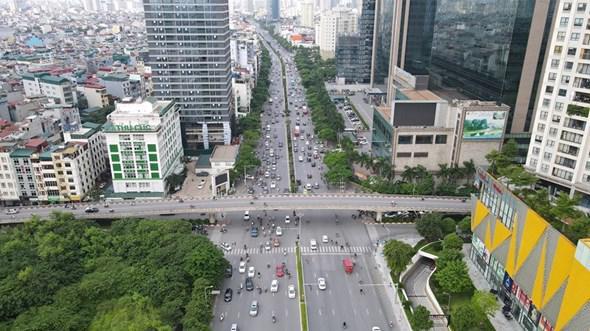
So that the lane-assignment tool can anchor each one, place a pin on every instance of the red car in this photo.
(280, 272)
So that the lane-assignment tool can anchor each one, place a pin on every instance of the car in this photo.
(375, 328)
(273, 184)
(249, 284)
(267, 245)
(91, 210)
(250, 190)
(313, 164)
(322, 283)
(234, 327)
(309, 176)
(390, 214)
(227, 296)
(225, 246)
(279, 231)
(325, 239)
(242, 267)
(274, 286)
(11, 211)
(287, 219)
(254, 308)
(276, 242)
(308, 186)
(247, 215)
(291, 291)
(229, 271)
(254, 232)
(313, 244)
(266, 174)
(316, 185)
(280, 270)
(300, 158)
(251, 271)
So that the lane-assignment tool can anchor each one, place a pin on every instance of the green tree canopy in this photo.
(452, 241)
(428, 226)
(453, 278)
(420, 319)
(128, 313)
(398, 255)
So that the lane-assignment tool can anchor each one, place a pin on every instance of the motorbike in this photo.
(221, 317)
(274, 319)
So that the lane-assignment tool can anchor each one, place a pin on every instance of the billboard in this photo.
(484, 124)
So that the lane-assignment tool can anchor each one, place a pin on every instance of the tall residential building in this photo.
(366, 28)
(558, 151)
(306, 15)
(189, 54)
(492, 50)
(333, 23)
(144, 145)
(43, 84)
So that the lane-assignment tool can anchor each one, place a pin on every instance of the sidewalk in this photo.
(398, 311)
(499, 322)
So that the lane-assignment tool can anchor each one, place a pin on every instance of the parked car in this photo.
(227, 296)
(242, 267)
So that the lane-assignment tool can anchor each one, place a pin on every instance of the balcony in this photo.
(575, 110)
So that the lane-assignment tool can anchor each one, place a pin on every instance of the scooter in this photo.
(221, 317)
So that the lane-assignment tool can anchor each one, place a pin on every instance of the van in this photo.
(313, 244)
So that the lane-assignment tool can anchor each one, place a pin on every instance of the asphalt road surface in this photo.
(342, 300)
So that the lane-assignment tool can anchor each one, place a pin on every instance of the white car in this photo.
(279, 231)
(254, 308)
(11, 211)
(375, 328)
(251, 271)
(274, 286)
(300, 158)
(226, 247)
(242, 267)
(234, 327)
(291, 292)
(322, 283)
(246, 215)
(325, 239)
(273, 184)
(267, 246)
(287, 219)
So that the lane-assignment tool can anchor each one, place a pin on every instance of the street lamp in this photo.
(207, 288)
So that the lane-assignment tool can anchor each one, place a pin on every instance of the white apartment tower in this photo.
(306, 15)
(333, 23)
(560, 142)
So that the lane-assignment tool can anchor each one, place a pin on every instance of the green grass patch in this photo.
(433, 248)
(302, 305)
(303, 309)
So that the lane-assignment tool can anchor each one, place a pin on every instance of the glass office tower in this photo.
(484, 48)
(366, 29)
(382, 41)
(417, 27)
(189, 52)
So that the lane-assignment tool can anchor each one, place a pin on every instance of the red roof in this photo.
(36, 143)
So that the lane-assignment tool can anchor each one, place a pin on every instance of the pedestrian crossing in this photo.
(305, 250)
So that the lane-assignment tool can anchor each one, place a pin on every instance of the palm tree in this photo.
(408, 174)
(469, 170)
(444, 172)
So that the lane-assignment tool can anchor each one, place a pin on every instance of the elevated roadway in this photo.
(325, 201)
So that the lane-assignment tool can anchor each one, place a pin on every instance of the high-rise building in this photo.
(189, 53)
(415, 37)
(333, 23)
(492, 50)
(366, 29)
(348, 49)
(382, 42)
(306, 15)
(558, 150)
(275, 10)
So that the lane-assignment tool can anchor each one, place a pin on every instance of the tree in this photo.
(199, 309)
(452, 241)
(469, 170)
(464, 225)
(485, 302)
(131, 312)
(447, 225)
(398, 255)
(578, 229)
(447, 255)
(453, 278)
(428, 226)
(465, 317)
(420, 319)
(516, 175)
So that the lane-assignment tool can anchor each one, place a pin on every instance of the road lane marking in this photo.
(333, 312)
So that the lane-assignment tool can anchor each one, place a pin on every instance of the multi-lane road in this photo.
(341, 301)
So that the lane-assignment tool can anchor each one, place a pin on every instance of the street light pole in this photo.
(207, 288)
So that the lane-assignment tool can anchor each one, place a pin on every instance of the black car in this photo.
(250, 190)
(228, 295)
(249, 284)
(91, 210)
(228, 272)
(313, 164)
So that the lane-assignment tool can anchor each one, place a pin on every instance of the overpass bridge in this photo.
(378, 203)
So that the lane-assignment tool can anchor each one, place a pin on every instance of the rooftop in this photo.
(224, 153)
(115, 77)
(55, 80)
(21, 153)
(416, 95)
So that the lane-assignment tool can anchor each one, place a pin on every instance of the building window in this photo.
(552, 76)
(533, 162)
(544, 167)
(571, 137)
(546, 102)
(564, 21)
(562, 92)
(536, 150)
(564, 161)
(561, 36)
(558, 106)
(420, 154)
(547, 156)
(575, 36)
(578, 21)
(568, 66)
(556, 118)
(553, 131)
(550, 143)
(581, 7)
(543, 115)
(548, 89)
(423, 139)
(440, 139)
(565, 79)
(555, 63)
(541, 127)
(564, 174)
(405, 140)
(567, 6)
(403, 154)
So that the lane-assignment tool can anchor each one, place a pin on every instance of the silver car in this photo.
(254, 308)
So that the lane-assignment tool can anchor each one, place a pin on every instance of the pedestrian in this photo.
(362, 291)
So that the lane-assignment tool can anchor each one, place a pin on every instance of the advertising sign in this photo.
(484, 124)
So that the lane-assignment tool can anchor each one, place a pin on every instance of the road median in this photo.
(300, 284)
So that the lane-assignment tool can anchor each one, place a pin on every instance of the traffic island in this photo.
(302, 305)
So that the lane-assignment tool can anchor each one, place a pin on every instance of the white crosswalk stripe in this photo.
(330, 249)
